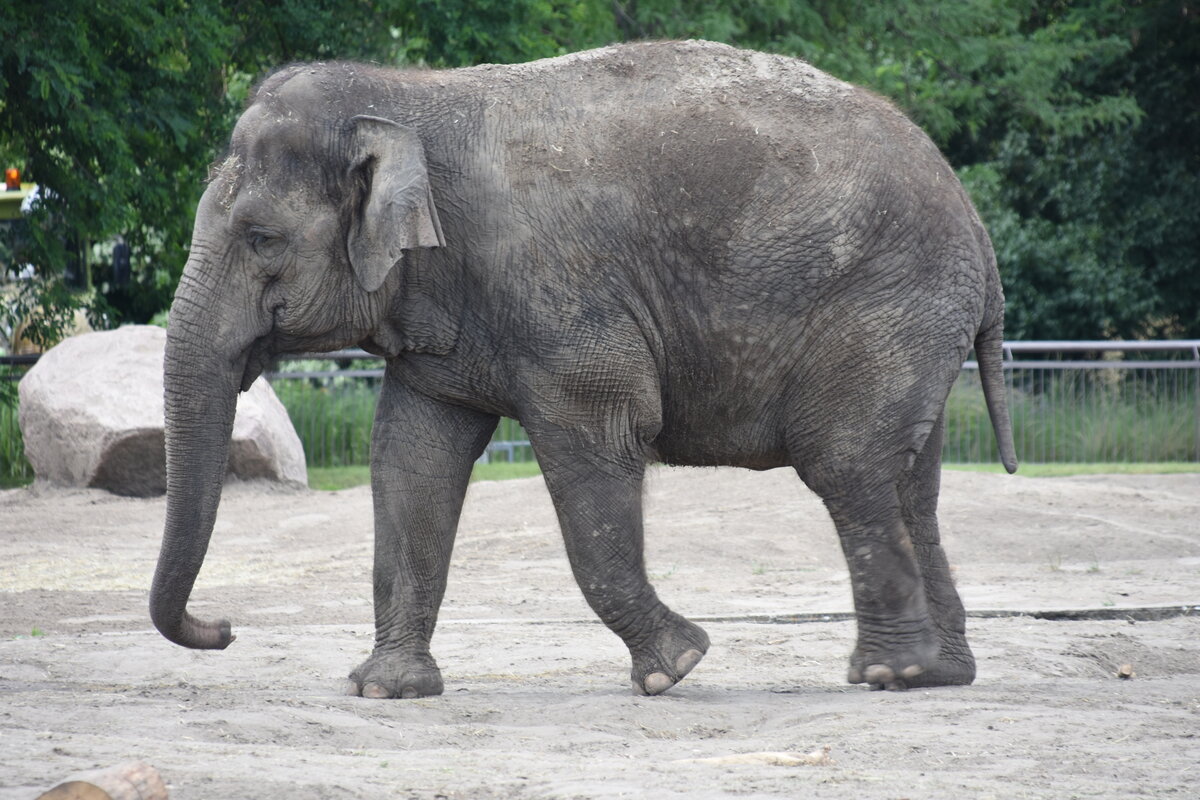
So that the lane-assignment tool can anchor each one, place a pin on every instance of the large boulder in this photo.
(91, 413)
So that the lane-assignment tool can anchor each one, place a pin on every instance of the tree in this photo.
(455, 33)
(110, 108)
(1097, 229)
(117, 108)
(1071, 123)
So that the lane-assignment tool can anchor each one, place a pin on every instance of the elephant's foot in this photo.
(394, 673)
(662, 659)
(894, 661)
(955, 665)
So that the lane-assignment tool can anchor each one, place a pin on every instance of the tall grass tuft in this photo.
(14, 467)
(333, 418)
(1074, 416)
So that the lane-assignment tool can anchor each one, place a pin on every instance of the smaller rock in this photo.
(91, 414)
(134, 780)
(1126, 672)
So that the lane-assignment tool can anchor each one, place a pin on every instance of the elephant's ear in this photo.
(394, 211)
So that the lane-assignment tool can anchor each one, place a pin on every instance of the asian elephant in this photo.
(670, 252)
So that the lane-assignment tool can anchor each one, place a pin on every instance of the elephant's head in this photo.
(295, 248)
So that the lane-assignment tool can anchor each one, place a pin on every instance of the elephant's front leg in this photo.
(598, 497)
(421, 457)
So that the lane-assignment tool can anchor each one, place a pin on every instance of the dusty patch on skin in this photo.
(703, 66)
(228, 176)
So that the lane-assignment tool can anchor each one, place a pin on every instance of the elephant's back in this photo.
(694, 66)
(713, 139)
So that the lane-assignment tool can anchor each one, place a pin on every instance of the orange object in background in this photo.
(12, 179)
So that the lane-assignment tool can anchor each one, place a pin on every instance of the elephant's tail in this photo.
(989, 353)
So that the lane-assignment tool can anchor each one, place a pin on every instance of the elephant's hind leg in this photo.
(422, 452)
(918, 490)
(598, 496)
(897, 638)
(911, 628)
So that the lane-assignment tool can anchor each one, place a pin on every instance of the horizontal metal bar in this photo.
(1126, 345)
(331, 373)
(967, 365)
(352, 353)
(355, 354)
(1047, 346)
(1042, 365)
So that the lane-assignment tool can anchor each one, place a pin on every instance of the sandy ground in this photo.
(537, 701)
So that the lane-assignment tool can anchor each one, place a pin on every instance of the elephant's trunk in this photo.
(201, 377)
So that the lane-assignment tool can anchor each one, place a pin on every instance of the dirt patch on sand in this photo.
(537, 703)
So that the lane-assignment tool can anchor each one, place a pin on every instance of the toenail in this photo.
(374, 691)
(409, 693)
(657, 683)
(685, 663)
(912, 671)
(879, 673)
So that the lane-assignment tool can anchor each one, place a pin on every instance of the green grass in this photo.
(14, 468)
(334, 478)
(1066, 470)
(333, 421)
(23, 478)
(502, 470)
(1110, 417)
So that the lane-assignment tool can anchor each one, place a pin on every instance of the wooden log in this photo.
(133, 780)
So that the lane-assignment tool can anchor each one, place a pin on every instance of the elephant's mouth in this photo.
(258, 356)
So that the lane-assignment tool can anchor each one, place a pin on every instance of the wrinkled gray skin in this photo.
(674, 252)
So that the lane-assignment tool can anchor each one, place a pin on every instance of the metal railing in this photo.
(1087, 401)
(332, 410)
(1131, 401)
(1093, 401)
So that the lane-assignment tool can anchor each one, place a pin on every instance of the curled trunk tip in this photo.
(184, 629)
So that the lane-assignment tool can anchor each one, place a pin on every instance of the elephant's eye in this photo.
(266, 244)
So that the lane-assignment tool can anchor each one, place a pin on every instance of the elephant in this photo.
(666, 252)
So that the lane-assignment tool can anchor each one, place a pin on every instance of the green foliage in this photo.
(1072, 123)
(111, 108)
(332, 417)
(452, 33)
(116, 109)
(1097, 224)
(14, 467)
